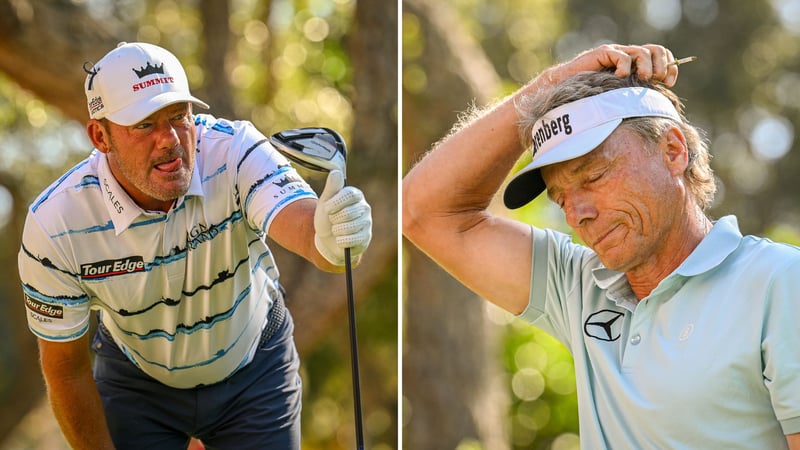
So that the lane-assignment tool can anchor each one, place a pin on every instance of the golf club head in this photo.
(315, 148)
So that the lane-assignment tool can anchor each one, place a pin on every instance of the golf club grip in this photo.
(348, 268)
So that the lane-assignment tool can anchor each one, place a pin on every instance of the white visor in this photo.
(575, 129)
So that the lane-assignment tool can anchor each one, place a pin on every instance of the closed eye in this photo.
(595, 177)
(558, 200)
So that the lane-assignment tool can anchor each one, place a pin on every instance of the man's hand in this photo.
(650, 62)
(342, 219)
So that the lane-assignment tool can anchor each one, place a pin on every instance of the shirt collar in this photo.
(195, 184)
(121, 207)
(720, 242)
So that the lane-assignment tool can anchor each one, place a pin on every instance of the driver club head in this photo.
(315, 148)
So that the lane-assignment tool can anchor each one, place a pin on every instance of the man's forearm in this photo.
(77, 407)
(465, 170)
(794, 441)
(73, 394)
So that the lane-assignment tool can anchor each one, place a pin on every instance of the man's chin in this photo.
(170, 191)
(613, 261)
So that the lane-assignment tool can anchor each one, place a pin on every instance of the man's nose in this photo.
(579, 208)
(167, 134)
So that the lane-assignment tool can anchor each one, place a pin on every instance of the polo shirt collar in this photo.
(720, 242)
(195, 184)
(121, 207)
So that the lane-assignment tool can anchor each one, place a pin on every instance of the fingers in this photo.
(349, 213)
(345, 197)
(659, 64)
(356, 236)
(350, 218)
(649, 62)
(342, 219)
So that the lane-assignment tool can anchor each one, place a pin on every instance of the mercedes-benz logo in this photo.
(604, 325)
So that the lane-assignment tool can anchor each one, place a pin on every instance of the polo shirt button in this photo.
(636, 339)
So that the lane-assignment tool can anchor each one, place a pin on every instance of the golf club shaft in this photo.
(348, 268)
(351, 312)
(324, 149)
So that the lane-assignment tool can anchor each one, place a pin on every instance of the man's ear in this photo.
(675, 151)
(99, 135)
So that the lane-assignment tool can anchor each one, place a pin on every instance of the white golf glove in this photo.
(342, 219)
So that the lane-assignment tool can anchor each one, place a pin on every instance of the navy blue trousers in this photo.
(258, 407)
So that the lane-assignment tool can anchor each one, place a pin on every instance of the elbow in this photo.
(410, 212)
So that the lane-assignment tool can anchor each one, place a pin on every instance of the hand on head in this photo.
(649, 62)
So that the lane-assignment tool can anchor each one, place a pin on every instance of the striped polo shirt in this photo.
(185, 294)
(710, 359)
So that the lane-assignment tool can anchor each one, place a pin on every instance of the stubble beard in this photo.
(141, 181)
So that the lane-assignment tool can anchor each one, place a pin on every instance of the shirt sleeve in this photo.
(57, 308)
(558, 270)
(265, 179)
(780, 349)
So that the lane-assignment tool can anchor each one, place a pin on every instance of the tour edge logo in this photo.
(548, 129)
(112, 267)
(43, 309)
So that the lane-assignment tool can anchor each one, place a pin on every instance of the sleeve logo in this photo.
(43, 309)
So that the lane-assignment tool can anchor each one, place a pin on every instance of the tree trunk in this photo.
(216, 90)
(449, 364)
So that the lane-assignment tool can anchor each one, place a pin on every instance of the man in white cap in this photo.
(683, 332)
(162, 229)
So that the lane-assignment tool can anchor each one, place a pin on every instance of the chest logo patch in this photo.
(112, 267)
(604, 325)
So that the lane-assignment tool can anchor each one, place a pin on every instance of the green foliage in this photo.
(542, 380)
(328, 409)
(308, 78)
(37, 146)
(784, 233)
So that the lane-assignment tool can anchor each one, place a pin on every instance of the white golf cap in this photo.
(575, 129)
(135, 80)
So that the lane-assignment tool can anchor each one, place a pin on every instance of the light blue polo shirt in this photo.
(710, 359)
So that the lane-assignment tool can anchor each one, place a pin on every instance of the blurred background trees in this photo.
(474, 377)
(278, 63)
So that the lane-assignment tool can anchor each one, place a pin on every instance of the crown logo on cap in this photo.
(149, 69)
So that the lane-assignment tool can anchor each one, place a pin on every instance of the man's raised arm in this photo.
(446, 195)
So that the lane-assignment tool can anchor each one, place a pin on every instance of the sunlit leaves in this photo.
(542, 378)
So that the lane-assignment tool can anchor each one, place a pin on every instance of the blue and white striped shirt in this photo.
(185, 294)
